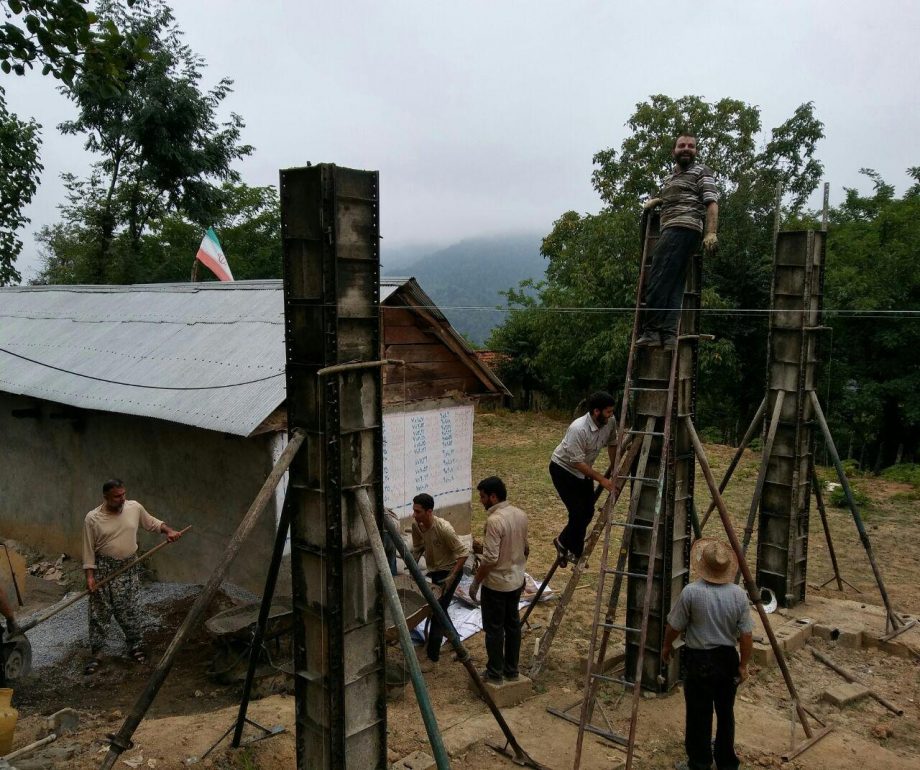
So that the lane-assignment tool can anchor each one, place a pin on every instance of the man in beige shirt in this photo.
(109, 542)
(501, 575)
(445, 556)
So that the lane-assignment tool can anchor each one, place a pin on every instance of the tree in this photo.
(19, 143)
(62, 36)
(872, 292)
(249, 228)
(161, 147)
(593, 259)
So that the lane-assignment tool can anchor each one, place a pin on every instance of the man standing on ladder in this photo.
(688, 199)
(714, 613)
(572, 470)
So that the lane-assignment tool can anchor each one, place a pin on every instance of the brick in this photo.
(849, 638)
(762, 654)
(417, 760)
(845, 693)
(508, 693)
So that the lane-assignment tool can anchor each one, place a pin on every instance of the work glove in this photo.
(651, 203)
(711, 243)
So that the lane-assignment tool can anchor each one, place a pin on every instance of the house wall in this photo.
(52, 470)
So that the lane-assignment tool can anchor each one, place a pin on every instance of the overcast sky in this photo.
(482, 117)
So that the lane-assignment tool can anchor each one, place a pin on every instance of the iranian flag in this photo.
(212, 256)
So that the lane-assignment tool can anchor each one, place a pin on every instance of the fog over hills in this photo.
(469, 275)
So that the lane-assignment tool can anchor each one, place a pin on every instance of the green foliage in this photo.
(872, 286)
(249, 229)
(905, 473)
(162, 151)
(67, 40)
(850, 468)
(576, 332)
(19, 143)
(838, 498)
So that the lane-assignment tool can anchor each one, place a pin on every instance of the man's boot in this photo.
(648, 339)
(669, 341)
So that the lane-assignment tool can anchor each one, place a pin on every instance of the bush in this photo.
(850, 468)
(839, 499)
(906, 473)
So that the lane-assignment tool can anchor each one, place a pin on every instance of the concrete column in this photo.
(796, 301)
(673, 548)
(330, 232)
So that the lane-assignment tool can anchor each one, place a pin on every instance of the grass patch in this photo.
(906, 473)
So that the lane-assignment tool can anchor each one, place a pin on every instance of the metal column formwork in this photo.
(330, 232)
(792, 371)
(673, 546)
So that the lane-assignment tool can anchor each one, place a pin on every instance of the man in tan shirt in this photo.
(109, 542)
(445, 556)
(501, 575)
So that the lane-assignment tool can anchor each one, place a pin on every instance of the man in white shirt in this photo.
(110, 542)
(572, 470)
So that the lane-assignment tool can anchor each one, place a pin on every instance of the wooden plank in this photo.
(393, 393)
(405, 334)
(423, 372)
(398, 316)
(434, 351)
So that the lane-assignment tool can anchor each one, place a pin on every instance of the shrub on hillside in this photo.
(839, 499)
(906, 473)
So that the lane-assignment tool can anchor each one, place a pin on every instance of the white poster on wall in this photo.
(427, 451)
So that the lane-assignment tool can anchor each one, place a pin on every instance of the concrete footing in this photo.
(508, 693)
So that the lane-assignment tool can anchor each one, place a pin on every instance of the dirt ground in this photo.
(192, 710)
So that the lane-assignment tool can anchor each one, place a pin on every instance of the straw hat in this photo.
(713, 560)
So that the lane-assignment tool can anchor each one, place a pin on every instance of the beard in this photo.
(684, 161)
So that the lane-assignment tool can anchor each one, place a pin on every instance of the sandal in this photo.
(91, 667)
(139, 655)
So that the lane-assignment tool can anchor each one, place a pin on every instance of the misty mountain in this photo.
(470, 274)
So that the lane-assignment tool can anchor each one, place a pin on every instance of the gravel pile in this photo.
(54, 639)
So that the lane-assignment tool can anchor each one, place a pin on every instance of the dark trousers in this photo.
(436, 630)
(502, 625)
(664, 284)
(710, 684)
(577, 496)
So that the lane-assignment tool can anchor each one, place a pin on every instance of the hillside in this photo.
(470, 274)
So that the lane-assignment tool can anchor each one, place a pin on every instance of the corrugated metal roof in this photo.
(175, 336)
(168, 335)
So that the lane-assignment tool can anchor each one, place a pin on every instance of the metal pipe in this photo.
(271, 580)
(353, 365)
(762, 473)
(121, 741)
(819, 500)
(54, 609)
(392, 597)
(893, 619)
(463, 655)
(852, 678)
(746, 573)
(746, 439)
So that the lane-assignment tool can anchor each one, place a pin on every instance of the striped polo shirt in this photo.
(685, 195)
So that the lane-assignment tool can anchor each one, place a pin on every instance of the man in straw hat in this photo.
(713, 612)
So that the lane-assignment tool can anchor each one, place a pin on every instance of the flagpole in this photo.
(194, 277)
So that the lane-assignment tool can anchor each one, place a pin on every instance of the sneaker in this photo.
(488, 676)
(648, 339)
(669, 341)
(512, 677)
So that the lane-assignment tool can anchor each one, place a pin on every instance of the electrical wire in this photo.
(135, 384)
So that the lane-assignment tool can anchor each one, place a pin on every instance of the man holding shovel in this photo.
(110, 542)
